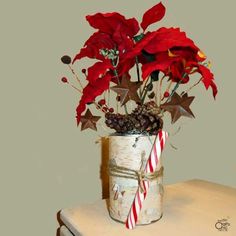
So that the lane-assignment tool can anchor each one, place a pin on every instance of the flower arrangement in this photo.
(164, 60)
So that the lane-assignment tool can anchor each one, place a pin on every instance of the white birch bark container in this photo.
(129, 151)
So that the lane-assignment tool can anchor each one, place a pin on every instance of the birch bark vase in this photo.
(130, 151)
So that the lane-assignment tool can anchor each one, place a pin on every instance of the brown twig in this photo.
(191, 87)
(76, 88)
(108, 96)
(76, 76)
(144, 86)
(192, 72)
(167, 89)
(117, 106)
(160, 85)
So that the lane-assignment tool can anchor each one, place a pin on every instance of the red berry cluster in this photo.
(103, 106)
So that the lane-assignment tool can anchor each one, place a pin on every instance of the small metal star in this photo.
(127, 90)
(88, 121)
(178, 106)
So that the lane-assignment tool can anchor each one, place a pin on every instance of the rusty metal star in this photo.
(127, 90)
(178, 106)
(88, 121)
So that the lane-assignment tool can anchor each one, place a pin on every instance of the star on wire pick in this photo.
(127, 90)
(178, 106)
(88, 121)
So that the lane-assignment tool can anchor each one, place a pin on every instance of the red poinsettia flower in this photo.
(113, 31)
(116, 33)
(178, 65)
(161, 40)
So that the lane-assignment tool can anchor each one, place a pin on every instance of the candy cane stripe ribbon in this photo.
(150, 167)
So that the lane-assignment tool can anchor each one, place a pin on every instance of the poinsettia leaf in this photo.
(140, 45)
(208, 79)
(90, 92)
(206, 74)
(149, 68)
(93, 45)
(214, 88)
(153, 15)
(98, 70)
(167, 38)
(123, 43)
(161, 63)
(108, 22)
(125, 66)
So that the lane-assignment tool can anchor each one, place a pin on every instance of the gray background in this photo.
(45, 159)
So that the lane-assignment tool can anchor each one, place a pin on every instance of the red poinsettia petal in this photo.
(167, 38)
(153, 15)
(148, 68)
(140, 46)
(207, 77)
(90, 92)
(132, 26)
(206, 74)
(125, 67)
(108, 22)
(92, 46)
(162, 63)
(98, 70)
(214, 88)
(123, 41)
(186, 53)
(84, 52)
(161, 41)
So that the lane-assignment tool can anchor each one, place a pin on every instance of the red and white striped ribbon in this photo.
(150, 167)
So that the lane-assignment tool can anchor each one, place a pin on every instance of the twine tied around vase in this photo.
(140, 175)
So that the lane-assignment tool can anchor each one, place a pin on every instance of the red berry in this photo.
(64, 80)
(166, 94)
(102, 102)
(111, 110)
(83, 71)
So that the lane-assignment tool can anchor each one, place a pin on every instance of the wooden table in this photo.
(195, 207)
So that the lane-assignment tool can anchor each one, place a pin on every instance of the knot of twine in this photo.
(140, 175)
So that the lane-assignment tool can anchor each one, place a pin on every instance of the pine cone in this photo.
(143, 119)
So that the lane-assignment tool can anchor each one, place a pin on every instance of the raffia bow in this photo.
(140, 175)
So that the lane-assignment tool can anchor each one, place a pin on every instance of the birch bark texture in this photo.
(133, 151)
